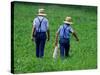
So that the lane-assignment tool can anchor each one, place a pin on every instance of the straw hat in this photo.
(68, 20)
(41, 12)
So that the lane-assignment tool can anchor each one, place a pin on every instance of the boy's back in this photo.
(64, 31)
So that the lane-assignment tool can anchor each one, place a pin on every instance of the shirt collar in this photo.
(65, 24)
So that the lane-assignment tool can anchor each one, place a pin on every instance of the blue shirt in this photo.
(64, 31)
(44, 24)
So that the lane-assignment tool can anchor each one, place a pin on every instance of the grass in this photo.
(83, 53)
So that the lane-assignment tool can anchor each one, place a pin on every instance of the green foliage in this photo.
(83, 53)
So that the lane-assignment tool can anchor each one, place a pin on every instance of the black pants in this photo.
(64, 47)
(40, 40)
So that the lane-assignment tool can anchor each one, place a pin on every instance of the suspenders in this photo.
(39, 28)
(64, 31)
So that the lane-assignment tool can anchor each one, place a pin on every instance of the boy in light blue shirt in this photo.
(39, 30)
(64, 37)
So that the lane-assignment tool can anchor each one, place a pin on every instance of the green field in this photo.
(83, 54)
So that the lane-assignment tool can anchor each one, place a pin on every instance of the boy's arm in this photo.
(48, 35)
(56, 39)
(74, 34)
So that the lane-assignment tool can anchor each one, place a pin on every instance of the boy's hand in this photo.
(77, 39)
(75, 36)
(32, 38)
(48, 39)
(56, 43)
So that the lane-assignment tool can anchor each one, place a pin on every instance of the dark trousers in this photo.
(40, 40)
(64, 47)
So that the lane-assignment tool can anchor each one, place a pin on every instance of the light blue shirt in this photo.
(44, 24)
(65, 34)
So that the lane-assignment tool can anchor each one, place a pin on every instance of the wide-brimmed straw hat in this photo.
(68, 20)
(41, 12)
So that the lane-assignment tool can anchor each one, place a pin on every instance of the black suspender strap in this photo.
(64, 31)
(40, 24)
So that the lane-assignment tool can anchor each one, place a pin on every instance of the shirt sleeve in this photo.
(71, 30)
(47, 24)
(59, 29)
(34, 22)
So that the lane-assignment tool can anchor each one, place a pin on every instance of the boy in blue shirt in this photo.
(39, 30)
(64, 37)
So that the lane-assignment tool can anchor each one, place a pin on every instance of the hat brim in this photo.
(42, 14)
(68, 22)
